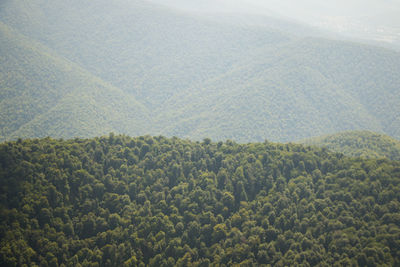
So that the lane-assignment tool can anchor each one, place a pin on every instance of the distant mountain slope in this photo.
(143, 48)
(305, 88)
(44, 94)
(359, 144)
(194, 76)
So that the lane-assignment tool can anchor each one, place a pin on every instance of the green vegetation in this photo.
(44, 94)
(121, 201)
(178, 74)
(359, 144)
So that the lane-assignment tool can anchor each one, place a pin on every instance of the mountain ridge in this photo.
(74, 84)
(191, 77)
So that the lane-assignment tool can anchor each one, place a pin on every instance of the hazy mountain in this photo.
(189, 74)
(359, 144)
(369, 21)
(302, 89)
(44, 94)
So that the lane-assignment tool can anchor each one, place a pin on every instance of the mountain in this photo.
(295, 91)
(156, 201)
(192, 75)
(45, 94)
(359, 144)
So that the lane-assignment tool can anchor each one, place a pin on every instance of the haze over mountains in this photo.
(363, 20)
(86, 68)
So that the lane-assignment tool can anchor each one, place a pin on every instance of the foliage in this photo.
(122, 201)
(359, 144)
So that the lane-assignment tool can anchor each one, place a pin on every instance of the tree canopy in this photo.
(156, 201)
(364, 144)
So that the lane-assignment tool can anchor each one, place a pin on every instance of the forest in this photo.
(155, 201)
(363, 144)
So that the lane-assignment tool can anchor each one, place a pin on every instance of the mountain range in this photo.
(87, 68)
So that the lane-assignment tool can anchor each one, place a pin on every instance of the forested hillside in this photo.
(359, 144)
(122, 201)
(185, 74)
(42, 94)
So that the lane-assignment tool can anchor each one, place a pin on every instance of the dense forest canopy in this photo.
(122, 201)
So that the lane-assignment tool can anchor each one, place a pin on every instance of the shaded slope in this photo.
(43, 94)
(359, 144)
